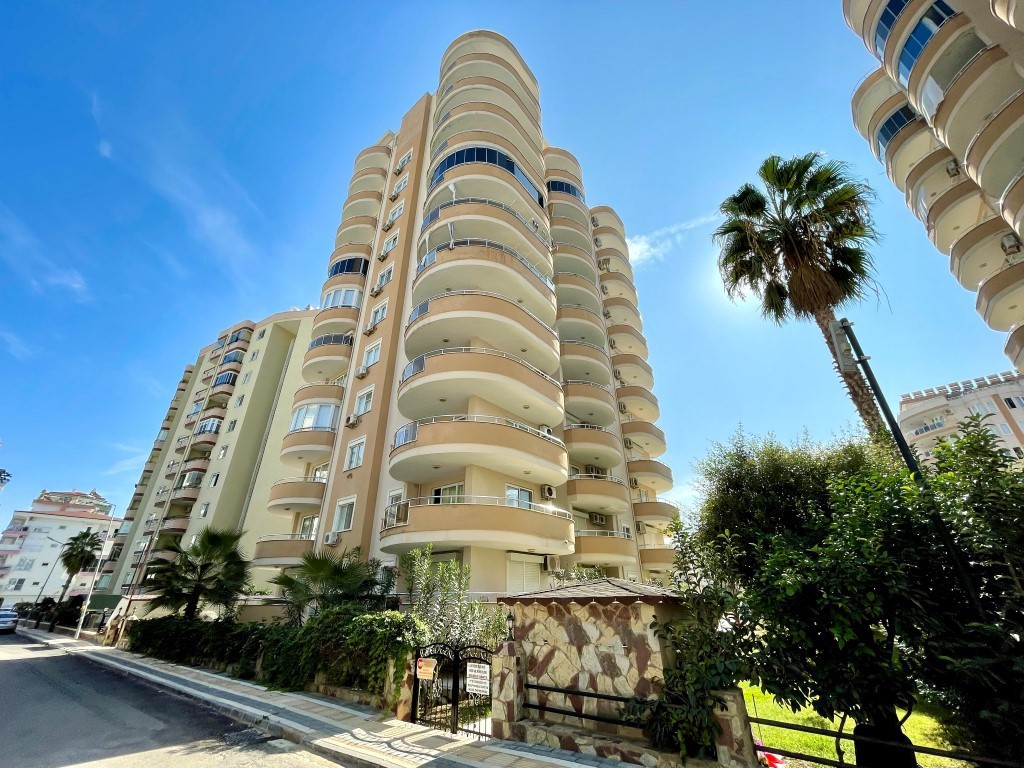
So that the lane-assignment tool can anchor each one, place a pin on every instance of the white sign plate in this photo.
(478, 678)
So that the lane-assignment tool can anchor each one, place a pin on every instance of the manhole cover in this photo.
(248, 736)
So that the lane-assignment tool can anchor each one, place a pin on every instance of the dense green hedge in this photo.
(349, 647)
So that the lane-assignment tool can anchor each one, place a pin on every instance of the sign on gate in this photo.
(478, 679)
(425, 668)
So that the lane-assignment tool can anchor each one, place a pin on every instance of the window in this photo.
(396, 212)
(354, 455)
(371, 355)
(518, 497)
(342, 297)
(888, 18)
(231, 425)
(566, 188)
(406, 158)
(343, 517)
(204, 509)
(936, 423)
(317, 416)
(262, 333)
(197, 406)
(1005, 429)
(320, 473)
(523, 576)
(920, 36)
(379, 313)
(221, 342)
(389, 244)
(1019, 452)
(491, 157)
(25, 563)
(364, 401)
(15, 585)
(248, 375)
(243, 334)
(214, 478)
(308, 525)
(222, 452)
(193, 479)
(402, 184)
(449, 494)
(228, 377)
(254, 355)
(348, 266)
(1014, 402)
(235, 356)
(239, 400)
(385, 275)
(893, 125)
(161, 436)
(980, 409)
(208, 425)
(394, 497)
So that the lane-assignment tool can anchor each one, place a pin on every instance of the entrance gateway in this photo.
(452, 690)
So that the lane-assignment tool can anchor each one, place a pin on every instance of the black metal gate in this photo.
(453, 699)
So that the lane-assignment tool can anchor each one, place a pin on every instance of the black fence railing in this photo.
(571, 712)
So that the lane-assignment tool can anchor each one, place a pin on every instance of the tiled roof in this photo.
(600, 591)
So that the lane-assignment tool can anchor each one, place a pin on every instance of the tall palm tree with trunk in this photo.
(79, 553)
(800, 245)
(211, 571)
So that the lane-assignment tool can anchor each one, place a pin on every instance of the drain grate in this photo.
(248, 736)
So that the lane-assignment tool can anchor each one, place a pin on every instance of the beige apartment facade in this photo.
(936, 413)
(944, 114)
(479, 345)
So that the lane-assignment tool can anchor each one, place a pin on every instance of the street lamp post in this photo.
(35, 603)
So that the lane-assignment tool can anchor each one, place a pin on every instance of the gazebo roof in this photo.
(598, 591)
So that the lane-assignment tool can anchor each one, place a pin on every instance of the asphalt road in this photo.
(58, 710)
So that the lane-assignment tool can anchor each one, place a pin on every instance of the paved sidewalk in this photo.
(350, 733)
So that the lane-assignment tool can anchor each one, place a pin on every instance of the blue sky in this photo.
(168, 169)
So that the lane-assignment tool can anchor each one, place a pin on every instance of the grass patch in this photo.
(923, 728)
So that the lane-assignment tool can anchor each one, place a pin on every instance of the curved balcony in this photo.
(1010, 11)
(206, 439)
(185, 495)
(356, 229)
(484, 218)
(109, 566)
(377, 156)
(430, 449)
(350, 251)
(446, 379)
(874, 90)
(985, 83)
(590, 401)
(563, 203)
(571, 259)
(658, 558)
(657, 511)
(473, 90)
(633, 370)
(949, 52)
(618, 285)
(912, 144)
(1001, 297)
(640, 401)
(575, 321)
(175, 525)
(605, 548)
(583, 361)
(484, 265)
(482, 117)
(327, 357)
(608, 217)
(296, 494)
(365, 203)
(994, 155)
(322, 393)
(1011, 206)
(598, 493)
(612, 259)
(623, 312)
(335, 320)
(977, 253)
(650, 473)
(954, 212)
(368, 179)
(460, 317)
(562, 161)
(489, 65)
(577, 289)
(476, 521)
(590, 444)
(281, 550)
(307, 445)
(481, 179)
(627, 340)
(1014, 348)
(483, 41)
(649, 437)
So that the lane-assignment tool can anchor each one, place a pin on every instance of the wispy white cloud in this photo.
(105, 149)
(656, 245)
(132, 463)
(16, 348)
(25, 256)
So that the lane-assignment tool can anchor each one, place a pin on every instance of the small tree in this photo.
(211, 571)
(79, 554)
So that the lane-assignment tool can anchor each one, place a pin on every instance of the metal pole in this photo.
(47, 580)
(911, 461)
(95, 576)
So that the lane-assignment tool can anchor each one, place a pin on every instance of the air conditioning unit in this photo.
(590, 469)
(387, 225)
(352, 421)
(361, 372)
(634, 483)
(393, 196)
(604, 289)
(547, 492)
(331, 539)
(604, 264)
(534, 224)
(597, 242)
(627, 442)
(399, 168)
(593, 221)
(953, 168)
(639, 527)
(607, 314)
(382, 256)
(1010, 244)
(546, 429)
(376, 290)
(552, 563)
(617, 373)
(612, 343)
(623, 408)
(597, 518)
(369, 329)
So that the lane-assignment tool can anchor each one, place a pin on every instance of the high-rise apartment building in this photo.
(476, 377)
(935, 413)
(30, 545)
(944, 114)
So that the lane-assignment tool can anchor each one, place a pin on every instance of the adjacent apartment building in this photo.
(475, 377)
(944, 113)
(931, 414)
(30, 545)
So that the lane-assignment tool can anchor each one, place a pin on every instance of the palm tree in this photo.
(800, 246)
(324, 579)
(211, 571)
(79, 553)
